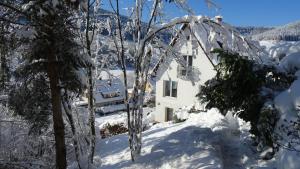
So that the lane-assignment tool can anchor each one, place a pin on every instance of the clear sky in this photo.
(239, 12)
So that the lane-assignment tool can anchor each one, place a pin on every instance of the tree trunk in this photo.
(122, 61)
(3, 60)
(91, 116)
(2, 69)
(58, 123)
(68, 111)
(90, 89)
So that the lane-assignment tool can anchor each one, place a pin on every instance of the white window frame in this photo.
(170, 88)
(187, 64)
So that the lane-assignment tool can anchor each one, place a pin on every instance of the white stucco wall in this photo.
(186, 90)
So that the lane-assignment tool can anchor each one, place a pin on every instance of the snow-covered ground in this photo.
(277, 49)
(206, 140)
(121, 117)
(288, 104)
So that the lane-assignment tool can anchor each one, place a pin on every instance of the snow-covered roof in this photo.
(209, 35)
(108, 90)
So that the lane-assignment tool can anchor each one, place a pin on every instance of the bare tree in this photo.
(90, 9)
(146, 36)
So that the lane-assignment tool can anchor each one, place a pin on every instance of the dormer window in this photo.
(188, 60)
(186, 69)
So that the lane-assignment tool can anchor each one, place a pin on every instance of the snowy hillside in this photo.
(289, 32)
(167, 35)
(105, 14)
(251, 30)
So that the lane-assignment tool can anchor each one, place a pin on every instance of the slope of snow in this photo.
(207, 140)
(279, 49)
(291, 62)
(288, 32)
(288, 104)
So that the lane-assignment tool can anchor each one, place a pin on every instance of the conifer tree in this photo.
(243, 86)
(53, 62)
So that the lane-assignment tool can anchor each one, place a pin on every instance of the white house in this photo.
(178, 85)
(178, 79)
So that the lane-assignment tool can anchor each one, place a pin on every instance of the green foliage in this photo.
(242, 86)
(54, 43)
(7, 46)
(31, 100)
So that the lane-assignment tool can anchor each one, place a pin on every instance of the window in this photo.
(170, 88)
(189, 63)
(169, 114)
(167, 91)
(195, 52)
(190, 60)
(188, 37)
(174, 89)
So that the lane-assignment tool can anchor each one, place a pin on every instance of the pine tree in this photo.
(239, 86)
(7, 45)
(53, 60)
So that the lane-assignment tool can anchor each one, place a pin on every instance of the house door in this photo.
(169, 114)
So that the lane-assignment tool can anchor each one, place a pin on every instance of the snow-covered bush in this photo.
(291, 63)
(149, 100)
(266, 125)
(183, 113)
(19, 149)
(288, 127)
(243, 86)
(279, 50)
(32, 102)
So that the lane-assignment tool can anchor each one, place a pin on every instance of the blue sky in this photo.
(239, 12)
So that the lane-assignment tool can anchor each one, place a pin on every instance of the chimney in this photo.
(218, 18)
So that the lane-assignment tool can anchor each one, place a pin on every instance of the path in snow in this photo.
(205, 141)
(183, 147)
(234, 151)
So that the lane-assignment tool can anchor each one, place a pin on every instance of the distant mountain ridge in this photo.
(105, 14)
(252, 30)
(167, 35)
(288, 32)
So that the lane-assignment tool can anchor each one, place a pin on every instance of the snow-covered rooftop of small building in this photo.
(108, 90)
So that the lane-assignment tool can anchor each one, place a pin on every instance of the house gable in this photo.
(186, 44)
(196, 39)
(186, 88)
